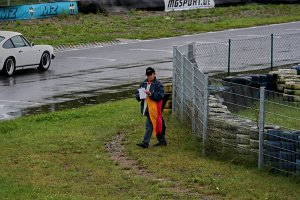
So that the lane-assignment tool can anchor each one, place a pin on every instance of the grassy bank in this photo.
(63, 155)
(144, 25)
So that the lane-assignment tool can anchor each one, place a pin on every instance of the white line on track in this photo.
(91, 58)
(292, 29)
(251, 35)
(203, 42)
(159, 50)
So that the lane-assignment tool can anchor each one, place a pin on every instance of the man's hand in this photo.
(148, 92)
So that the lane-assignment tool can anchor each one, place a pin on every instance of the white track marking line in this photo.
(251, 35)
(292, 29)
(158, 50)
(91, 58)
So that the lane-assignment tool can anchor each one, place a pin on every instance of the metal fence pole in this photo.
(182, 81)
(261, 127)
(205, 113)
(193, 99)
(229, 49)
(8, 2)
(191, 52)
(272, 50)
(174, 77)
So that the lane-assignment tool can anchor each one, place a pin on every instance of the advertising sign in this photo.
(37, 10)
(175, 5)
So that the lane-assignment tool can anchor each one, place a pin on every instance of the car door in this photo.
(26, 52)
(9, 50)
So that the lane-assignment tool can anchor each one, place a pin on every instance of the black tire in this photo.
(45, 61)
(9, 66)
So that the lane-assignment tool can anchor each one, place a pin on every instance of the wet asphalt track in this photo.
(88, 75)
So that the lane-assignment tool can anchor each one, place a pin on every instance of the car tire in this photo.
(45, 61)
(9, 66)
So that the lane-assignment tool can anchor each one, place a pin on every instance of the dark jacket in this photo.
(157, 93)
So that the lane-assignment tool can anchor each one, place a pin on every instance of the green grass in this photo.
(62, 155)
(103, 27)
(286, 116)
(277, 112)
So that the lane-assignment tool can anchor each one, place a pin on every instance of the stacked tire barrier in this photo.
(282, 150)
(167, 102)
(223, 126)
(243, 90)
(288, 82)
(232, 130)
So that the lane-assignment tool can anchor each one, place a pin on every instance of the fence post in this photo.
(191, 52)
(272, 50)
(261, 127)
(8, 2)
(182, 81)
(229, 49)
(205, 113)
(174, 77)
(193, 98)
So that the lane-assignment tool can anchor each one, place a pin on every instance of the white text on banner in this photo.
(175, 5)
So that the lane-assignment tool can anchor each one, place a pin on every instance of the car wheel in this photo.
(45, 61)
(9, 66)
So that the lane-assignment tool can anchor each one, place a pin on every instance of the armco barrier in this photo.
(35, 11)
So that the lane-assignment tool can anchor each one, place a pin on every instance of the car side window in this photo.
(25, 41)
(18, 41)
(8, 45)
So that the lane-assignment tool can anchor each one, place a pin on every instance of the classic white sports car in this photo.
(16, 52)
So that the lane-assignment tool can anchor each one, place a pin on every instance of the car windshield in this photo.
(1, 38)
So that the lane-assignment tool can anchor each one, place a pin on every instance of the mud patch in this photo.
(116, 149)
(118, 154)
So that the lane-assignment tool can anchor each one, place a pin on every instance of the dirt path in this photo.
(118, 154)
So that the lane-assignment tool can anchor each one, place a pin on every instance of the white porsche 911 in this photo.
(16, 52)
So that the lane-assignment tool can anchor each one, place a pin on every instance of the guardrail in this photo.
(34, 11)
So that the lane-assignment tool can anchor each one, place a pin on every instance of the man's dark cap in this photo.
(149, 71)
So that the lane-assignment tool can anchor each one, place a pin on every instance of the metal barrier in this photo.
(19, 2)
(4, 3)
(253, 121)
(36, 11)
(189, 96)
(248, 54)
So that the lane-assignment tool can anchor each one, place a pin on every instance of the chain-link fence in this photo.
(282, 145)
(248, 54)
(244, 117)
(189, 98)
(238, 112)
